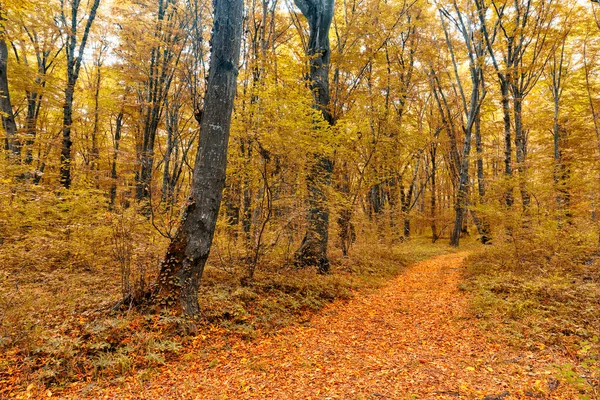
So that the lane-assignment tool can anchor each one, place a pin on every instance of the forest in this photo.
(307, 199)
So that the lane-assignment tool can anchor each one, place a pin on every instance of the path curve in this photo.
(412, 339)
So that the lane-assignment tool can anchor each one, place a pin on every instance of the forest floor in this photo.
(412, 339)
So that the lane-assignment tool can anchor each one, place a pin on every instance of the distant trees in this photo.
(392, 119)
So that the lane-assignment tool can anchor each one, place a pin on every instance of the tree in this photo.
(466, 25)
(523, 29)
(40, 39)
(166, 46)
(313, 249)
(8, 118)
(183, 264)
(75, 51)
(558, 70)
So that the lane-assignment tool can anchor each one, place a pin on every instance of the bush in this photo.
(541, 287)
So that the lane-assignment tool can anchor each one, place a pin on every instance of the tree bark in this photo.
(504, 89)
(483, 226)
(113, 169)
(8, 118)
(461, 196)
(558, 74)
(521, 150)
(74, 59)
(433, 205)
(313, 249)
(183, 265)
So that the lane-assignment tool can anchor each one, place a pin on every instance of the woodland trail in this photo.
(412, 339)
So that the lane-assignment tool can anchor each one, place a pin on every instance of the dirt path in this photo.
(413, 339)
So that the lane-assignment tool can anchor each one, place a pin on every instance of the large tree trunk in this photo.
(313, 250)
(183, 265)
(8, 118)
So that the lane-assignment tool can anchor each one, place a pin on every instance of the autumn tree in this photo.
(518, 37)
(75, 47)
(313, 249)
(558, 70)
(8, 118)
(164, 48)
(463, 20)
(183, 265)
(42, 43)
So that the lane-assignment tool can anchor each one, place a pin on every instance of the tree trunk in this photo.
(521, 149)
(34, 100)
(347, 232)
(74, 59)
(461, 197)
(561, 170)
(183, 265)
(483, 226)
(433, 205)
(113, 170)
(8, 118)
(313, 249)
(95, 151)
(504, 89)
(172, 124)
(65, 154)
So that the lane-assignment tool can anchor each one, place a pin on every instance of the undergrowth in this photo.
(541, 289)
(66, 261)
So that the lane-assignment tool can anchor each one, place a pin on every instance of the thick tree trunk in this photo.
(8, 118)
(183, 265)
(461, 197)
(313, 249)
